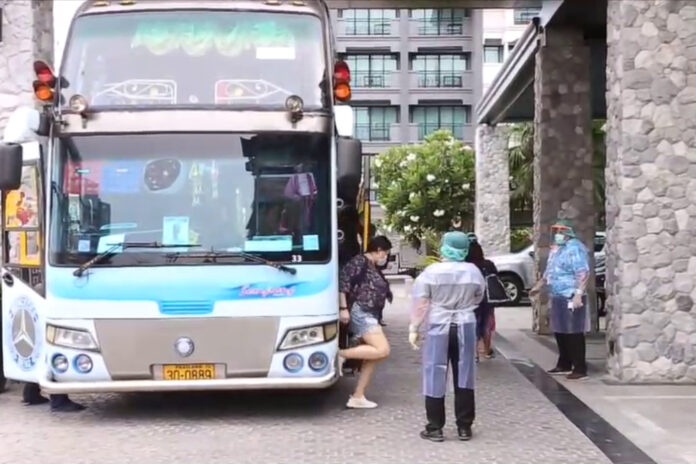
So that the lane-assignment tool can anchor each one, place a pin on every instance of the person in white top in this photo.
(445, 296)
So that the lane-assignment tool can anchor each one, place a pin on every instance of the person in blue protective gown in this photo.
(445, 296)
(566, 276)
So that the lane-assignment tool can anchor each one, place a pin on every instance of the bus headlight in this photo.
(306, 336)
(70, 338)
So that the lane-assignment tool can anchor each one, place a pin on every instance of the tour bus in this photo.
(171, 214)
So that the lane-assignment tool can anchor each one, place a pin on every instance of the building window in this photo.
(372, 71)
(524, 15)
(443, 21)
(433, 118)
(440, 70)
(373, 123)
(368, 22)
(493, 54)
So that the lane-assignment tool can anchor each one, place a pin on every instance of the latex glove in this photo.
(577, 301)
(413, 339)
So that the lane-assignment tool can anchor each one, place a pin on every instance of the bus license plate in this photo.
(188, 371)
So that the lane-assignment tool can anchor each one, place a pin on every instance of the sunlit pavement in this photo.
(515, 424)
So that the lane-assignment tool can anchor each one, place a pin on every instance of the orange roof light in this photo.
(342, 92)
(43, 92)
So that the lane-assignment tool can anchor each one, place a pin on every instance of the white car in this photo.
(516, 270)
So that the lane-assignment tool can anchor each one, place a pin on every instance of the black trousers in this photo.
(32, 392)
(571, 352)
(464, 404)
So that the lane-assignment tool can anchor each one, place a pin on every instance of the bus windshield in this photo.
(192, 57)
(195, 195)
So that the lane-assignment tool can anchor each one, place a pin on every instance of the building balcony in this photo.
(362, 34)
(440, 35)
(435, 81)
(377, 138)
(464, 132)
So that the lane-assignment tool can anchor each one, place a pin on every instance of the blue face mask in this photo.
(560, 239)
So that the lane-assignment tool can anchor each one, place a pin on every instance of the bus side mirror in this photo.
(349, 163)
(344, 119)
(10, 166)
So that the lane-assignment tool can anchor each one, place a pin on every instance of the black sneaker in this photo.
(577, 376)
(559, 371)
(465, 433)
(432, 435)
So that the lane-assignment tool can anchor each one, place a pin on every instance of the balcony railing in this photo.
(430, 79)
(371, 79)
(367, 26)
(426, 27)
(427, 128)
(373, 132)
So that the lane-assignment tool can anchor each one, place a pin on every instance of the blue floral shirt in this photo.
(564, 265)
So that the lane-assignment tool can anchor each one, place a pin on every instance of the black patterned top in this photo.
(364, 284)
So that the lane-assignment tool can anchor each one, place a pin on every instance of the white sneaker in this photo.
(360, 403)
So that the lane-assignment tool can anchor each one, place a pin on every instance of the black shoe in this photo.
(66, 405)
(35, 401)
(577, 376)
(558, 371)
(432, 435)
(465, 433)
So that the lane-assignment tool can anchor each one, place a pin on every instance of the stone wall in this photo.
(651, 190)
(563, 184)
(492, 189)
(27, 35)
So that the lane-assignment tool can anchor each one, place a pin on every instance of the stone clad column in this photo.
(562, 148)
(27, 35)
(492, 222)
(651, 190)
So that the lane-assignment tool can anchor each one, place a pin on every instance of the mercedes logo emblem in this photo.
(184, 346)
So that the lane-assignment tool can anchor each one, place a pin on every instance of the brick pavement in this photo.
(515, 424)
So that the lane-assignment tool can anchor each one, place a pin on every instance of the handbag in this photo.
(495, 290)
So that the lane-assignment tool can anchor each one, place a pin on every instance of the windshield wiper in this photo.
(79, 272)
(212, 254)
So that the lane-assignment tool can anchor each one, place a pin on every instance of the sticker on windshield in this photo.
(275, 243)
(175, 230)
(122, 177)
(275, 53)
(110, 242)
(83, 246)
(310, 242)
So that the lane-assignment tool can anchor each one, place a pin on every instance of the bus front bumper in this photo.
(125, 386)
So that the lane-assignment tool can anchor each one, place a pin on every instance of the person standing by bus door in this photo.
(361, 282)
(31, 395)
(566, 276)
(445, 297)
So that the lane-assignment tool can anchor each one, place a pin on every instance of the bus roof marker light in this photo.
(342, 90)
(341, 72)
(44, 73)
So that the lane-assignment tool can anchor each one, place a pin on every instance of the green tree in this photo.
(521, 161)
(424, 188)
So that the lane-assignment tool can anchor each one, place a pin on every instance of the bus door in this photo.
(23, 303)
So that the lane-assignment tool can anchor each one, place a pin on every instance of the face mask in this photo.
(559, 239)
(382, 261)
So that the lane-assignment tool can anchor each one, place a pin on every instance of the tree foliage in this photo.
(521, 161)
(425, 188)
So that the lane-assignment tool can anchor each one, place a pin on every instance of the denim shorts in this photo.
(362, 322)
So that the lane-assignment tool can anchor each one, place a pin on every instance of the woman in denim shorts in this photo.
(365, 287)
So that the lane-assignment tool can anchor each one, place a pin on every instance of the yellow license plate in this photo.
(188, 371)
